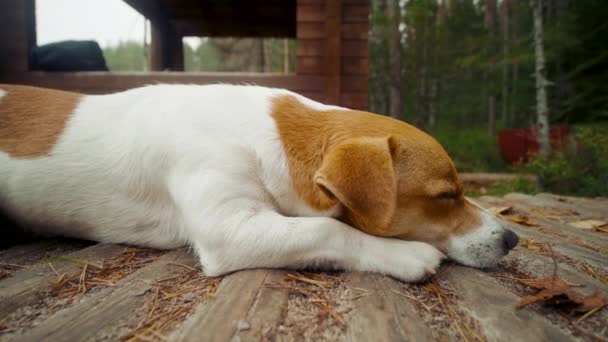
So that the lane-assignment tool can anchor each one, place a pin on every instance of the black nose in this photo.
(509, 240)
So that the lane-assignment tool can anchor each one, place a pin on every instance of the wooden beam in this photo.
(17, 34)
(166, 48)
(333, 48)
(109, 82)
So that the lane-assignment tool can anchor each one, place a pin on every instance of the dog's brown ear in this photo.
(359, 173)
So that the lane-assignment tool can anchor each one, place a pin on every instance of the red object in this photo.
(517, 145)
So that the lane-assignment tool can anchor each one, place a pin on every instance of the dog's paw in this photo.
(424, 264)
(410, 261)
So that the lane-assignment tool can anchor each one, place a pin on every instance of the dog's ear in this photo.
(359, 173)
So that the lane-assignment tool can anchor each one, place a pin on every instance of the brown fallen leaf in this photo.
(588, 224)
(552, 212)
(601, 230)
(558, 293)
(523, 220)
(531, 244)
(500, 210)
(593, 301)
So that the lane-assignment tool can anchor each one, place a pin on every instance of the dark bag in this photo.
(69, 55)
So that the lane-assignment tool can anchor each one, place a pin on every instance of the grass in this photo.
(519, 184)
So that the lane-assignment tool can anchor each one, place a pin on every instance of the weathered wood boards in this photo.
(258, 305)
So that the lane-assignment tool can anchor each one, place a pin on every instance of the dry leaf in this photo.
(500, 210)
(601, 229)
(588, 224)
(556, 292)
(552, 212)
(531, 244)
(521, 220)
(596, 300)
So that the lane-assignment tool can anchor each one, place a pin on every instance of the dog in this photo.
(248, 176)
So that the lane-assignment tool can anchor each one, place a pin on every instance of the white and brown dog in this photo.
(248, 176)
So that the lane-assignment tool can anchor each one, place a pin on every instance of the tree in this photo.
(542, 108)
(394, 56)
(490, 25)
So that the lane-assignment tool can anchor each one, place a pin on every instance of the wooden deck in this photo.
(63, 290)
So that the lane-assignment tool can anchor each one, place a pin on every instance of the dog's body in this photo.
(248, 176)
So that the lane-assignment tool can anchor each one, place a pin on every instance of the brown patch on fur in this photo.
(32, 119)
(388, 175)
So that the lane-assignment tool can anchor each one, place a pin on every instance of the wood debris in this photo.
(531, 244)
(500, 210)
(174, 298)
(314, 287)
(560, 294)
(94, 275)
(588, 224)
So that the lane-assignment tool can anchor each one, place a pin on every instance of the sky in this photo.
(106, 21)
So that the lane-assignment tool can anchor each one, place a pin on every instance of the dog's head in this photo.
(404, 185)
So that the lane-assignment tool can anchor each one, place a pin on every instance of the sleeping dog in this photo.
(247, 176)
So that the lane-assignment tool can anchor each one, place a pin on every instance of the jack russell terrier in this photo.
(247, 176)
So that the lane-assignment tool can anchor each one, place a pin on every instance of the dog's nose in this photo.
(509, 240)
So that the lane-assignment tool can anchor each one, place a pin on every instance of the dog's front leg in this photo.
(236, 228)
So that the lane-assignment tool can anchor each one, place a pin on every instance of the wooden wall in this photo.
(17, 34)
(332, 42)
(332, 56)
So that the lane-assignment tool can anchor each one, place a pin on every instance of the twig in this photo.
(413, 298)
(590, 312)
(182, 265)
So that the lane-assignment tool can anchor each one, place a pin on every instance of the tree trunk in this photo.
(542, 109)
(424, 73)
(490, 25)
(505, 16)
(394, 51)
(285, 56)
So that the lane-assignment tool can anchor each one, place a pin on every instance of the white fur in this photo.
(2, 93)
(482, 247)
(166, 166)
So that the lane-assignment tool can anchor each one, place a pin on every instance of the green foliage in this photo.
(473, 149)
(580, 170)
(452, 64)
(519, 184)
(125, 56)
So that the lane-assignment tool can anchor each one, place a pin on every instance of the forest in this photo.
(464, 70)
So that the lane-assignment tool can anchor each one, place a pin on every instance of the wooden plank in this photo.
(311, 30)
(354, 13)
(355, 48)
(355, 31)
(527, 204)
(310, 2)
(558, 244)
(355, 66)
(218, 319)
(596, 241)
(596, 207)
(310, 48)
(382, 314)
(354, 100)
(29, 253)
(27, 286)
(333, 51)
(354, 84)
(103, 311)
(310, 66)
(540, 266)
(15, 37)
(494, 308)
(311, 13)
(267, 313)
(107, 82)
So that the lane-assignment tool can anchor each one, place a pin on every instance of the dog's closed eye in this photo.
(447, 195)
